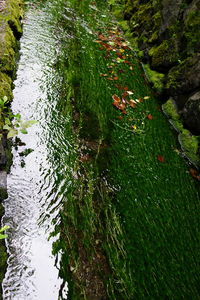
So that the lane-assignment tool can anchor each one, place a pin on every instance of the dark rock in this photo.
(184, 78)
(191, 113)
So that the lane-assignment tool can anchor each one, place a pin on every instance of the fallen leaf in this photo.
(122, 106)
(146, 97)
(150, 117)
(132, 103)
(130, 93)
(116, 98)
(160, 158)
(124, 112)
(125, 94)
(103, 75)
(102, 37)
(119, 86)
(116, 78)
(193, 173)
(120, 117)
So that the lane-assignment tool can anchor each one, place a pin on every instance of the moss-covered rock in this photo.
(12, 14)
(8, 45)
(190, 145)
(5, 86)
(185, 77)
(164, 56)
(191, 113)
(167, 33)
(155, 78)
(170, 109)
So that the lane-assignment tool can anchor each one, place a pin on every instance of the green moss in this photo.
(169, 109)
(143, 17)
(157, 19)
(154, 37)
(12, 15)
(192, 27)
(189, 144)
(8, 47)
(164, 55)
(178, 126)
(5, 86)
(155, 78)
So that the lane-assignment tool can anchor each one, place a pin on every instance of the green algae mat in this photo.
(129, 224)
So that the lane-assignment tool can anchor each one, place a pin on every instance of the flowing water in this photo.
(112, 188)
(30, 207)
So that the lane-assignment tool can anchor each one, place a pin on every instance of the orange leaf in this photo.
(160, 158)
(116, 98)
(150, 117)
(116, 78)
(103, 75)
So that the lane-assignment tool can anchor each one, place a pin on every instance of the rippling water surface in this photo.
(30, 207)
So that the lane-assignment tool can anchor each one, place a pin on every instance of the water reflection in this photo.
(34, 200)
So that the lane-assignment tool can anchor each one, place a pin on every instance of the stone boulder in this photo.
(191, 113)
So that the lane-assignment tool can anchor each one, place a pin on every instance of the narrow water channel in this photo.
(111, 184)
(29, 209)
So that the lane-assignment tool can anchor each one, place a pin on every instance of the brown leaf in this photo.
(193, 173)
(102, 37)
(160, 158)
(125, 94)
(103, 75)
(116, 98)
(150, 117)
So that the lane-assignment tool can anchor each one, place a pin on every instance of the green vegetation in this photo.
(3, 236)
(130, 193)
(155, 78)
(164, 55)
(189, 143)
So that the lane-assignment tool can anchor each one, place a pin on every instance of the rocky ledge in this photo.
(167, 34)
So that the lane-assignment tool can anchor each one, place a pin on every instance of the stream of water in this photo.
(29, 209)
